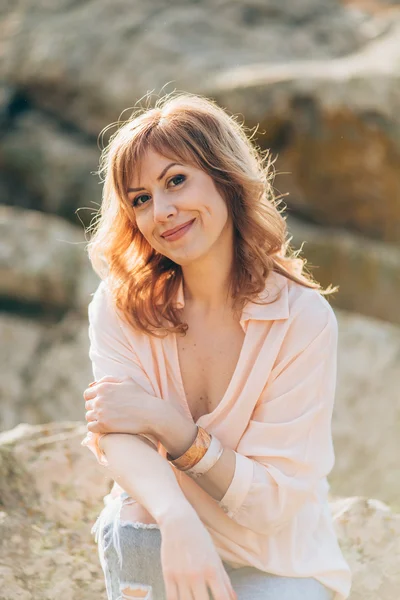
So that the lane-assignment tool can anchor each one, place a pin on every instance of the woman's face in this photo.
(173, 195)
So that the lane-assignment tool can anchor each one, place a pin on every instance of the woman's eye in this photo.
(178, 179)
(136, 200)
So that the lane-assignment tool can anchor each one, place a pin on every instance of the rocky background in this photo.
(321, 79)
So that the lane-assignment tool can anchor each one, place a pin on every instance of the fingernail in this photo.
(91, 384)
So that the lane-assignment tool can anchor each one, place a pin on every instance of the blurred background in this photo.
(320, 79)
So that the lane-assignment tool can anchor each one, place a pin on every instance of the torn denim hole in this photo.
(135, 590)
(111, 513)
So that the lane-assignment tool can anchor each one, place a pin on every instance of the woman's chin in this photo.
(185, 258)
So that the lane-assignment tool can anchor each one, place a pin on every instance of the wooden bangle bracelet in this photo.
(194, 453)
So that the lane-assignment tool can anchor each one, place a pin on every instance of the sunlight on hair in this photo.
(194, 130)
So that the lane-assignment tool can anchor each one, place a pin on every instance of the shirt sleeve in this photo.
(287, 446)
(111, 355)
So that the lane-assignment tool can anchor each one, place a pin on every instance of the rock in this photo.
(369, 535)
(62, 371)
(366, 271)
(45, 544)
(43, 262)
(66, 480)
(47, 550)
(87, 75)
(65, 81)
(20, 342)
(52, 166)
(44, 370)
(334, 127)
(367, 410)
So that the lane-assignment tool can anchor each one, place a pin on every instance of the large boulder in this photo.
(44, 369)
(86, 75)
(43, 262)
(51, 491)
(367, 410)
(366, 271)
(49, 167)
(334, 127)
(65, 80)
(368, 532)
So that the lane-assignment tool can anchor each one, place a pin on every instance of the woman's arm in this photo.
(286, 449)
(143, 473)
(177, 433)
(130, 459)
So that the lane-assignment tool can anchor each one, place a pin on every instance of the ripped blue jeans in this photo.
(129, 555)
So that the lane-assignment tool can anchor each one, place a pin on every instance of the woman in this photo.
(214, 357)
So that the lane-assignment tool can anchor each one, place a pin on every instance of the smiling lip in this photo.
(171, 232)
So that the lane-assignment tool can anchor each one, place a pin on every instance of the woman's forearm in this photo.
(177, 433)
(144, 474)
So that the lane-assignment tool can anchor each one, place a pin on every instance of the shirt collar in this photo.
(275, 298)
(275, 308)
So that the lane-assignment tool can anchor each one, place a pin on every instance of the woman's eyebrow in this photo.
(158, 178)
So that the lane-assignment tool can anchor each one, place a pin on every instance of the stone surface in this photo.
(53, 168)
(44, 370)
(43, 262)
(368, 532)
(86, 75)
(366, 421)
(366, 271)
(334, 127)
(64, 80)
(20, 342)
(51, 491)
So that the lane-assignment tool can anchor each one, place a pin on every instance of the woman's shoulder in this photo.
(101, 301)
(104, 313)
(307, 306)
(102, 309)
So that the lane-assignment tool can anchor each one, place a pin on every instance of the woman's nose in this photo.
(162, 207)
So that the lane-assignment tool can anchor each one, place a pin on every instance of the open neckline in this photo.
(214, 413)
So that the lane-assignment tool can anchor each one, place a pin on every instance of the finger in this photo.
(90, 416)
(219, 588)
(89, 405)
(171, 588)
(185, 591)
(199, 589)
(109, 379)
(95, 427)
(228, 583)
(88, 394)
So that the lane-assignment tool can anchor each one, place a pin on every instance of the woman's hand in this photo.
(120, 406)
(190, 561)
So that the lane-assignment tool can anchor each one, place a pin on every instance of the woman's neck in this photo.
(206, 288)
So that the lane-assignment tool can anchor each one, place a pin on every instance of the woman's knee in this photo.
(132, 547)
(135, 569)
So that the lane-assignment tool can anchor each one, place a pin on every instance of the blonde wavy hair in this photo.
(190, 129)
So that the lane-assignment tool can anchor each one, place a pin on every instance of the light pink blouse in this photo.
(276, 415)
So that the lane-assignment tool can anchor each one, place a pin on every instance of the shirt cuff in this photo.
(240, 485)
